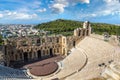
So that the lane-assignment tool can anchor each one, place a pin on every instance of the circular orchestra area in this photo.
(43, 69)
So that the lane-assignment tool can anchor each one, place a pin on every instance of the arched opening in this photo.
(38, 41)
(79, 33)
(57, 50)
(83, 32)
(64, 51)
(74, 43)
(16, 57)
(39, 54)
(30, 55)
(87, 32)
(25, 56)
(51, 52)
(57, 40)
(20, 56)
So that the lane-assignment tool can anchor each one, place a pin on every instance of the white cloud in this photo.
(110, 1)
(9, 13)
(24, 10)
(35, 4)
(110, 7)
(100, 13)
(107, 1)
(17, 15)
(24, 16)
(87, 15)
(41, 10)
(1, 15)
(58, 6)
(79, 1)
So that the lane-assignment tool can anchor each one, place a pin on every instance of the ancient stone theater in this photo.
(82, 56)
(32, 48)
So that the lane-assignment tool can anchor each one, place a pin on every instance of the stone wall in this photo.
(33, 48)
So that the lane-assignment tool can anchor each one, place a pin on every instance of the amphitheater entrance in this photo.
(51, 52)
(39, 54)
(25, 56)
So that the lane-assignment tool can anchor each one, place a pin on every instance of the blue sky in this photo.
(38, 11)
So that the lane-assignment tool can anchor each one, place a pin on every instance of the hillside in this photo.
(66, 27)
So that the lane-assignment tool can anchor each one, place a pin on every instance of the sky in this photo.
(39, 11)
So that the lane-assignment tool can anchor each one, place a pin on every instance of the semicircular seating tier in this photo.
(86, 61)
(7, 73)
(99, 54)
(71, 64)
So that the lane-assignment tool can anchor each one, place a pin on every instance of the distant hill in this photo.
(66, 27)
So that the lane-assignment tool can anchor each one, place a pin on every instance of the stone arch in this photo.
(39, 54)
(54, 50)
(83, 32)
(47, 51)
(57, 40)
(16, 56)
(79, 33)
(38, 41)
(20, 54)
(43, 40)
(87, 32)
(51, 52)
(64, 51)
(25, 54)
(43, 52)
(57, 50)
(50, 39)
(12, 52)
(30, 55)
(74, 43)
(34, 54)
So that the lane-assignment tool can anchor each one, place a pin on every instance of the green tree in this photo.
(65, 27)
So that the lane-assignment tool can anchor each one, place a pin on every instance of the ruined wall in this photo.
(79, 34)
(32, 48)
